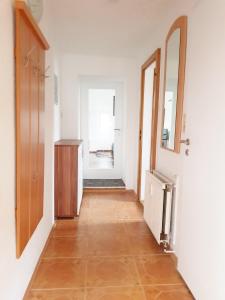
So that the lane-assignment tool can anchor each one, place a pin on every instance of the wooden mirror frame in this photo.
(180, 23)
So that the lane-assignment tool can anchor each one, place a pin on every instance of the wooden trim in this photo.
(37, 265)
(18, 151)
(181, 23)
(155, 57)
(23, 8)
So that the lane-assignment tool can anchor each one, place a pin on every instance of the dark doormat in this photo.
(104, 183)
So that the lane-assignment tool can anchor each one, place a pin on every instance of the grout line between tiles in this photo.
(139, 278)
(103, 256)
(85, 280)
(57, 289)
(107, 286)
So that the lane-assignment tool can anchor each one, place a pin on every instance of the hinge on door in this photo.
(114, 106)
(140, 135)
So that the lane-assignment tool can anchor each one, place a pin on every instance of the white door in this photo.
(101, 128)
(201, 230)
(147, 125)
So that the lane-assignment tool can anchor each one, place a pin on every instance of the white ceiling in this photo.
(106, 27)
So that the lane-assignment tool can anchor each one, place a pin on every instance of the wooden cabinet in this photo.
(30, 89)
(68, 178)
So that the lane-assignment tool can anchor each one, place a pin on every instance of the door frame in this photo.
(99, 82)
(154, 58)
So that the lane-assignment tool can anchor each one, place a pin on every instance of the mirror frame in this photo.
(180, 23)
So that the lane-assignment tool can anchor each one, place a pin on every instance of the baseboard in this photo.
(37, 265)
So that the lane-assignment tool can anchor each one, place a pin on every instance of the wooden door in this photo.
(23, 33)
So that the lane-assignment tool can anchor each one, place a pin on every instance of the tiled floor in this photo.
(107, 254)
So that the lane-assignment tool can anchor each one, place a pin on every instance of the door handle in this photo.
(186, 142)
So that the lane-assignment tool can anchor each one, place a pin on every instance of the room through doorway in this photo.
(101, 115)
(101, 131)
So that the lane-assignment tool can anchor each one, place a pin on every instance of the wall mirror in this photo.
(175, 60)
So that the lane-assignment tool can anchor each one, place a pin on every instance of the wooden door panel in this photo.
(30, 60)
(41, 131)
(23, 134)
(34, 99)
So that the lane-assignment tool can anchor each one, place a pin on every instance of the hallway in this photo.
(109, 253)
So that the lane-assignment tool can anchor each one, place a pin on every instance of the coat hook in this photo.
(45, 74)
(186, 142)
(36, 70)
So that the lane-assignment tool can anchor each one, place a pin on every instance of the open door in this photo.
(101, 128)
(150, 78)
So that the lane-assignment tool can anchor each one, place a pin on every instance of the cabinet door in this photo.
(79, 178)
(23, 161)
(65, 181)
(34, 124)
(30, 52)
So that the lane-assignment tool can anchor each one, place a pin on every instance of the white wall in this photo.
(57, 106)
(200, 244)
(124, 69)
(15, 273)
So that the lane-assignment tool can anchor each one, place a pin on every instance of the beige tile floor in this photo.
(107, 254)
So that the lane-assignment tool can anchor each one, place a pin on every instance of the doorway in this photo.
(101, 133)
(150, 78)
(101, 130)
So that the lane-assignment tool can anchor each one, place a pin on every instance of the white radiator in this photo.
(158, 205)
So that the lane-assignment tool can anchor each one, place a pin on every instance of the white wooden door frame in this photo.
(87, 83)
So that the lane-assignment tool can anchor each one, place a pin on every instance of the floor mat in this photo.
(104, 183)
